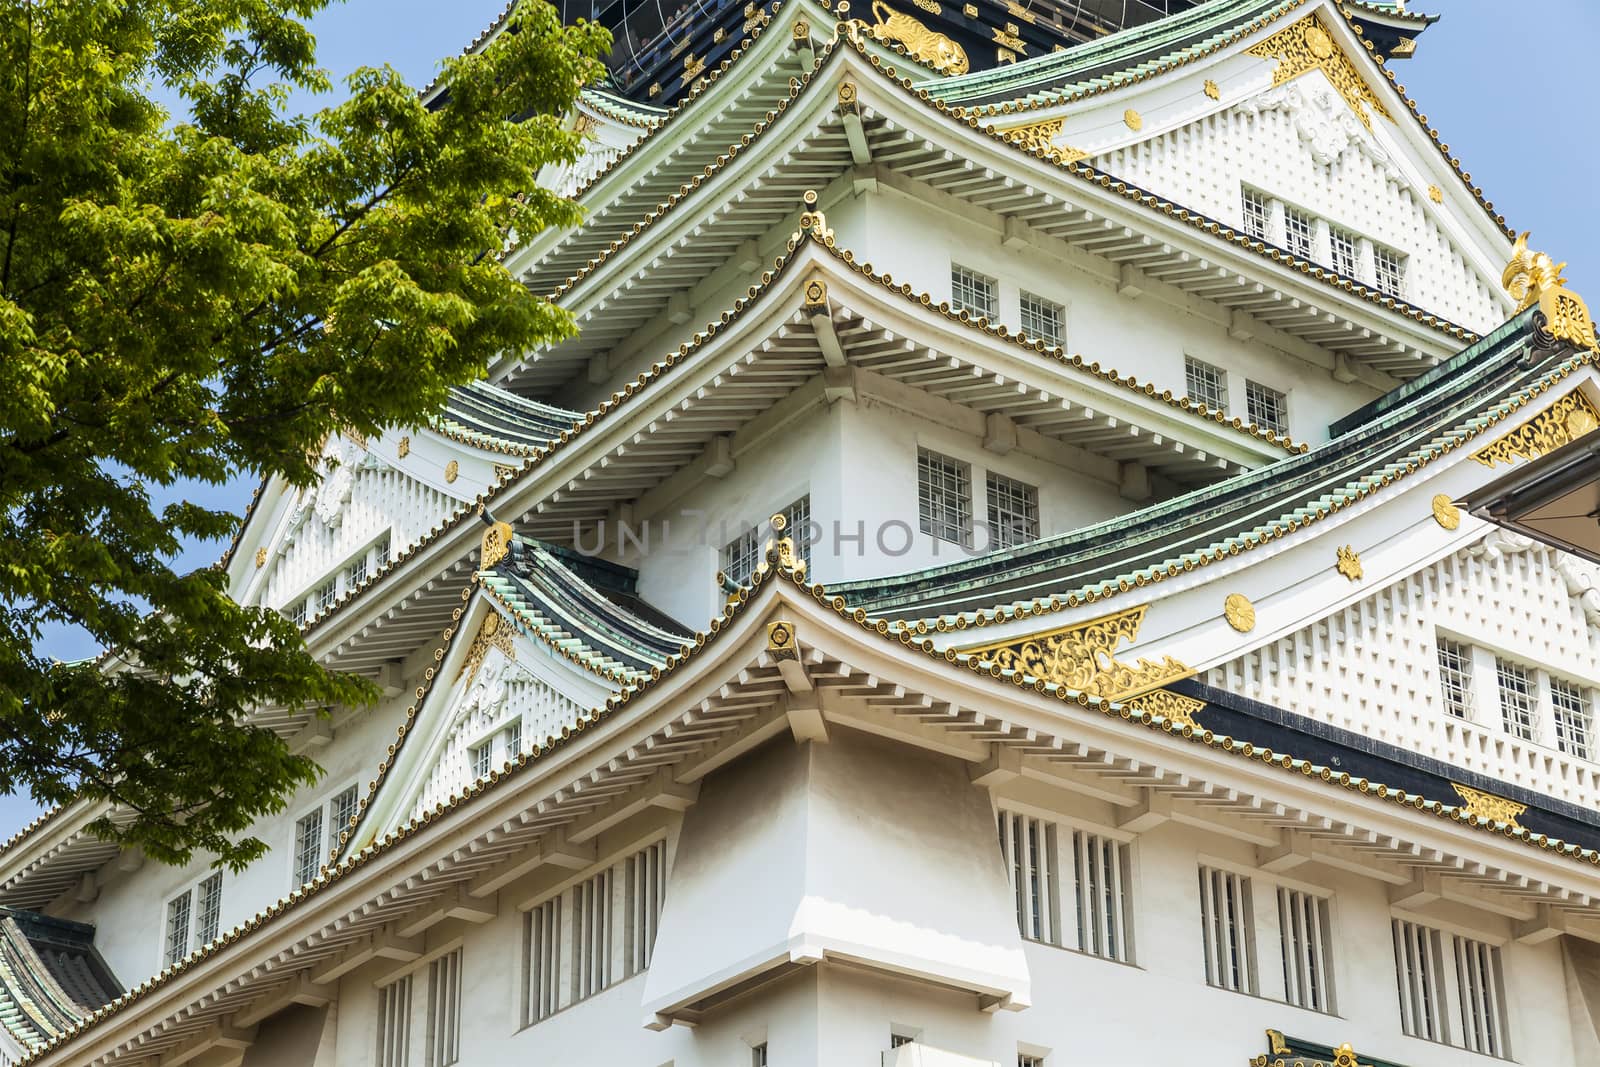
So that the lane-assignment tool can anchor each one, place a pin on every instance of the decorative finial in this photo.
(1534, 278)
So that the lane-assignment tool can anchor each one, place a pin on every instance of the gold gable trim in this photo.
(934, 49)
(1040, 137)
(1568, 419)
(1488, 806)
(1169, 705)
(494, 633)
(1534, 278)
(1081, 657)
(1307, 45)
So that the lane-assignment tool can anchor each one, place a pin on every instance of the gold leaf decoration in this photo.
(261, 558)
(1169, 705)
(1488, 806)
(1240, 613)
(781, 640)
(1040, 137)
(405, 447)
(1133, 119)
(1348, 563)
(496, 544)
(492, 634)
(1436, 194)
(1211, 89)
(1445, 512)
(451, 470)
(1568, 419)
(934, 49)
(1305, 46)
(1081, 657)
(1534, 278)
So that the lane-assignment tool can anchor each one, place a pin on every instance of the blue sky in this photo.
(1511, 98)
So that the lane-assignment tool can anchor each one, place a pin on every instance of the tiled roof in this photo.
(487, 416)
(51, 976)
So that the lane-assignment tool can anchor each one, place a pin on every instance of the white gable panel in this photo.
(1374, 667)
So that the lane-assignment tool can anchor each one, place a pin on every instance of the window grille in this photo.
(646, 877)
(758, 1055)
(1345, 256)
(482, 759)
(1518, 698)
(308, 846)
(1455, 678)
(944, 497)
(1266, 407)
(591, 936)
(342, 810)
(1207, 385)
(1100, 883)
(208, 910)
(1257, 211)
(1227, 923)
(1303, 929)
(356, 573)
(1418, 969)
(1389, 268)
(297, 612)
(512, 737)
(394, 1023)
(541, 954)
(1570, 708)
(972, 292)
(742, 555)
(380, 553)
(1013, 511)
(1481, 989)
(178, 911)
(1043, 319)
(1424, 971)
(326, 594)
(1029, 850)
(444, 1010)
(1298, 229)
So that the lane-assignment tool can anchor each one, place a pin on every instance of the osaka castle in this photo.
(1016, 567)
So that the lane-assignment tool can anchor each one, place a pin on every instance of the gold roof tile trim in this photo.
(1306, 45)
(1488, 807)
(904, 636)
(1082, 656)
(1172, 706)
(1569, 418)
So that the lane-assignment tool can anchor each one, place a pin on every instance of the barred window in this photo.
(394, 1023)
(380, 553)
(591, 936)
(1455, 678)
(1481, 988)
(308, 851)
(645, 875)
(1025, 1060)
(1029, 850)
(342, 810)
(1570, 708)
(326, 594)
(758, 1055)
(1257, 211)
(511, 737)
(1429, 962)
(944, 497)
(1100, 885)
(1298, 229)
(482, 759)
(356, 572)
(1418, 972)
(297, 612)
(1389, 269)
(1207, 384)
(1266, 407)
(444, 1010)
(742, 555)
(208, 910)
(1345, 256)
(541, 962)
(1303, 928)
(1046, 862)
(177, 940)
(1227, 925)
(972, 292)
(1043, 319)
(1013, 511)
(1518, 698)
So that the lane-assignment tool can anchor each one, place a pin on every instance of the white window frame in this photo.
(1305, 248)
(443, 1036)
(1011, 507)
(394, 1023)
(1344, 252)
(1052, 903)
(1212, 394)
(1453, 661)
(984, 291)
(1228, 929)
(955, 476)
(193, 896)
(1572, 715)
(1048, 318)
(327, 833)
(343, 580)
(1389, 269)
(1519, 702)
(1449, 1004)
(1255, 208)
(1305, 941)
(741, 556)
(1257, 394)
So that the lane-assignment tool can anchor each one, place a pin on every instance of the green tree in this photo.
(211, 299)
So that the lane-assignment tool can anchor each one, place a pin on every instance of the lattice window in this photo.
(297, 612)
(1028, 846)
(1257, 210)
(1043, 319)
(341, 810)
(944, 497)
(444, 1010)
(1455, 678)
(1573, 717)
(1298, 232)
(1346, 256)
(1519, 698)
(208, 910)
(482, 759)
(394, 1023)
(308, 850)
(380, 553)
(1039, 856)
(356, 572)
(1227, 923)
(1100, 886)
(1480, 987)
(1389, 268)
(1266, 407)
(1206, 384)
(1419, 975)
(179, 909)
(1303, 929)
(326, 594)
(511, 739)
(742, 555)
(541, 962)
(974, 293)
(1013, 511)
(645, 875)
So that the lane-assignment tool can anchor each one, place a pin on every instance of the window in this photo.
(482, 758)
(317, 832)
(297, 612)
(444, 1010)
(1043, 319)
(1013, 511)
(758, 1055)
(1570, 708)
(541, 953)
(341, 810)
(1390, 269)
(646, 882)
(1029, 858)
(356, 572)
(591, 936)
(1257, 211)
(972, 292)
(1455, 678)
(1227, 922)
(944, 497)
(1427, 963)
(896, 1040)
(1100, 883)
(1298, 229)
(326, 594)
(1038, 855)
(1207, 385)
(1025, 1060)
(1345, 255)
(1518, 698)
(1303, 928)
(194, 918)
(511, 739)
(380, 553)
(743, 555)
(1266, 407)
(394, 1023)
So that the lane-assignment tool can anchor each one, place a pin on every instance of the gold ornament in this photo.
(1169, 705)
(1211, 89)
(1349, 564)
(261, 558)
(1081, 657)
(496, 545)
(1488, 806)
(1445, 512)
(1040, 137)
(1278, 1045)
(816, 295)
(781, 640)
(1345, 1056)
(934, 49)
(1307, 46)
(1436, 194)
(1240, 613)
(490, 635)
(451, 470)
(405, 447)
(1133, 119)
(502, 471)
(1534, 278)
(1566, 420)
